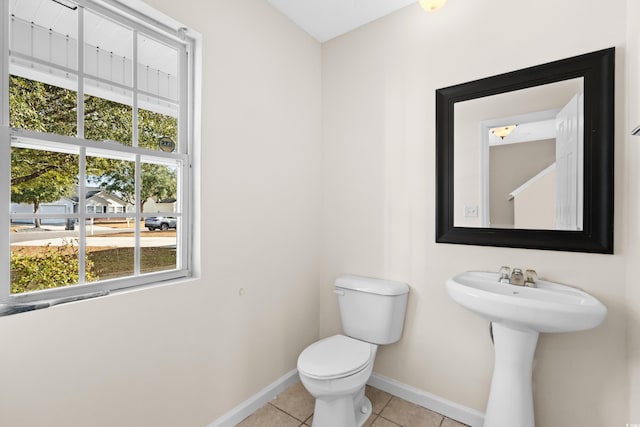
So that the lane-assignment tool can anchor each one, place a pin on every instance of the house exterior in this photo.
(62, 206)
(164, 205)
(101, 201)
(98, 201)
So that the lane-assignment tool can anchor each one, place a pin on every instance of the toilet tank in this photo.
(372, 310)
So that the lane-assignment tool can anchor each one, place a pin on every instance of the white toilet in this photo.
(335, 370)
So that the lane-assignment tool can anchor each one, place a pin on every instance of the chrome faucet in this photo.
(517, 277)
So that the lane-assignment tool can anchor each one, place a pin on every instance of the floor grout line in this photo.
(285, 412)
(386, 404)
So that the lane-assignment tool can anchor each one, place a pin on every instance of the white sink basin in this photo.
(518, 314)
(550, 307)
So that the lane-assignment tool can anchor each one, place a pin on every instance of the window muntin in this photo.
(128, 138)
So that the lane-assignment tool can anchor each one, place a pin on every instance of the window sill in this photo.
(8, 309)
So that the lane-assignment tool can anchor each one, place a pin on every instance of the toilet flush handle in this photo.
(339, 292)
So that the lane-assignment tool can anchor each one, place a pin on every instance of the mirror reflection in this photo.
(518, 158)
(525, 159)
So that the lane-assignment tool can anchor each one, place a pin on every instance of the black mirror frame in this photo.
(598, 71)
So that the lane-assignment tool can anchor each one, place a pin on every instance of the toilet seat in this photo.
(335, 357)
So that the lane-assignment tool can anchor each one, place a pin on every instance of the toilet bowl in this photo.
(336, 369)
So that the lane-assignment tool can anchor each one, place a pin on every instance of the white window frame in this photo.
(138, 17)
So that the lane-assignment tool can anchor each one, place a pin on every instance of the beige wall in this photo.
(184, 355)
(379, 192)
(513, 165)
(535, 206)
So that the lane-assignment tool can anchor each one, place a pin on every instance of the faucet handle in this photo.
(530, 277)
(505, 273)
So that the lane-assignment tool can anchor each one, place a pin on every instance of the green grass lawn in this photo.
(41, 267)
(118, 262)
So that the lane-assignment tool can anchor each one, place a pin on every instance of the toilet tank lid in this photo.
(371, 285)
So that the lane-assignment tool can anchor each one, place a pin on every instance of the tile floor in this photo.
(294, 408)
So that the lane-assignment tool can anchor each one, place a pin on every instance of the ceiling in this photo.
(326, 19)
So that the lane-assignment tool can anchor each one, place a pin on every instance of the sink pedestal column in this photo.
(511, 396)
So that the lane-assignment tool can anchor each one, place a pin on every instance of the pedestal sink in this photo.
(518, 315)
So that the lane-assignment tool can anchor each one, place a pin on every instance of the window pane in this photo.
(42, 107)
(110, 238)
(157, 131)
(159, 193)
(110, 247)
(42, 179)
(158, 246)
(158, 95)
(159, 188)
(44, 251)
(157, 68)
(106, 120)
(43, 60)
(108, 102)
(108, 50)
(112, 185)
(44, 255)
(43, 34)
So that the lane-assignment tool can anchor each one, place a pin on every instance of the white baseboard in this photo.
(256, 401)
(432, 402)
(449, 409)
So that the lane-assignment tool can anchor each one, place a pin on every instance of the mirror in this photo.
(525, 159)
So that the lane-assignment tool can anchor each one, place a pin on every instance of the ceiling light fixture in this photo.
(503, 131)
(432, 5)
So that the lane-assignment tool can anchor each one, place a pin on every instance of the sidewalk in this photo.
(103, 241)
(97, 236)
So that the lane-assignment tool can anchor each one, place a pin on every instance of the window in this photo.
(96, 140)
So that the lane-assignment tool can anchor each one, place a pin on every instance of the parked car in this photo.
(160, 223)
